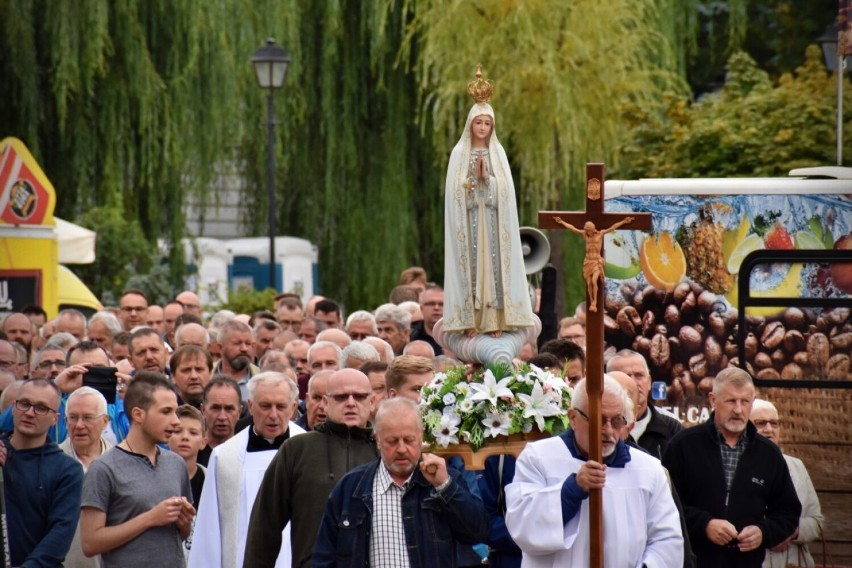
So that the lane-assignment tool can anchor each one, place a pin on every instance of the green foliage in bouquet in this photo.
(497, 400)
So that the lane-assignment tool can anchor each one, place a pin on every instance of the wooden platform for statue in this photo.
(501, 445)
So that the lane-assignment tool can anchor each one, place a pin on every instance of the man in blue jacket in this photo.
(737, 494)
(405, 509)
(42, 483)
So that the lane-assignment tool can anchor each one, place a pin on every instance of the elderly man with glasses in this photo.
(42, 484)
(86, 418)
(303, 473)
(547, 510)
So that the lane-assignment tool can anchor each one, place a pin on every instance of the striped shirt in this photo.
(388, 548)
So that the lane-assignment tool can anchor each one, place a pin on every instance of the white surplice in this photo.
(233, 480)
(640, 520)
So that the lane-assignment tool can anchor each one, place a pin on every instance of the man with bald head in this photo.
(20, 328)
(300, 478)
(336, 336)
(191, 334)
(73, 322)
(315, 401)
(191, 302)
(653, 429)
(154, 319)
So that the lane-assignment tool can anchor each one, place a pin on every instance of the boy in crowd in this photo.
(136, 498)
(186, 442)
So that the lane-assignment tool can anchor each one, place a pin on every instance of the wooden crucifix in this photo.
(595, 223)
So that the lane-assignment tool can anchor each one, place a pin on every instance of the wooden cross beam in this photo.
(592, 224)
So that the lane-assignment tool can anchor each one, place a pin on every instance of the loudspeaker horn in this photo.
(536, 249)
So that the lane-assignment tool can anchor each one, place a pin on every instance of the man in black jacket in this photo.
(653, 429)
(736, 491)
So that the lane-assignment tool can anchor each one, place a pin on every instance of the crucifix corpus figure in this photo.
(593, 263)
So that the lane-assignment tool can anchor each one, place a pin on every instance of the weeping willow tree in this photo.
(129, 105)
(359, 176)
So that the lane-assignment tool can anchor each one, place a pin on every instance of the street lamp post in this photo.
(831, 42)
(270, 64)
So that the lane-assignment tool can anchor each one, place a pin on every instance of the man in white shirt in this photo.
(547, 510)
(236, 471)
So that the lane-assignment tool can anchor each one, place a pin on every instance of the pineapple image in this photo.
(705, 260)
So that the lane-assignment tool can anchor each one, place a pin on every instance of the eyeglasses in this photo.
(344, 396)
(40, 409)
(765, 423)
(129, 309)
(617, 422)
(46, 364)
(85, 419)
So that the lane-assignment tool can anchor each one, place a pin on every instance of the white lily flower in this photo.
(446, 432)
(540, 405)
(496, 424)
(489, 389)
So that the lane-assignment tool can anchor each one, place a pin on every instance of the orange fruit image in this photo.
(662, 261)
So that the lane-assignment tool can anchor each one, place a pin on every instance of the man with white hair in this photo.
(324, 356)
(361, 324)
(793, 551)
(235, 472)
(394, 324)
(547, 510)
(86, 417)
(103, 327)
(357, 353)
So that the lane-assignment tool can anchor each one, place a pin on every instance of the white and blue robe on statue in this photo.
(234, 476)
(640, 521)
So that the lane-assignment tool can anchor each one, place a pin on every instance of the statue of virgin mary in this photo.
(485, 286)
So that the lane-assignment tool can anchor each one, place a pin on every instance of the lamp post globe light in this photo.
(270, 64)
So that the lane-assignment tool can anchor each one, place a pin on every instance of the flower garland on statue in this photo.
(471, 407)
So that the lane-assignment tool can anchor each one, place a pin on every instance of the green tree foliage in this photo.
(779, 31)
(751, 127)
(359, 176)
(127, 104)
(122, 251)
(244, 300)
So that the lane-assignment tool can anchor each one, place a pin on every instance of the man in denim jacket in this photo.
(403, 509)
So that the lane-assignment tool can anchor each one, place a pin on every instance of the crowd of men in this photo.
(292, 437)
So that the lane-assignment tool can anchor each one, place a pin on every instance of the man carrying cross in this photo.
(547, 507)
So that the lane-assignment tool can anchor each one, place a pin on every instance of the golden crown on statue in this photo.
(480, 89)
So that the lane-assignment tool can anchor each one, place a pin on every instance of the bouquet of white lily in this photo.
(463, 407)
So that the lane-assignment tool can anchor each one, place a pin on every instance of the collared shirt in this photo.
(387, 537)
(731, 456)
